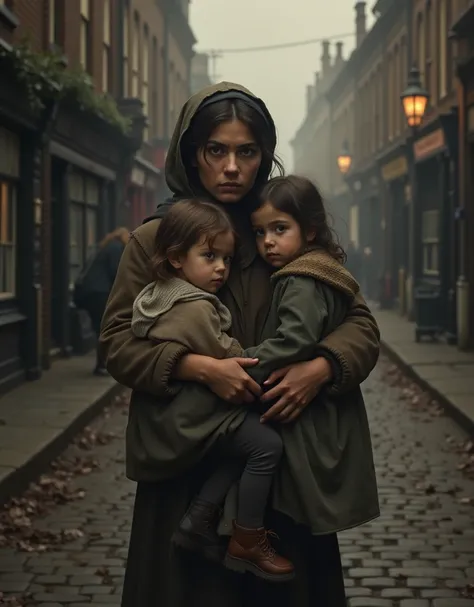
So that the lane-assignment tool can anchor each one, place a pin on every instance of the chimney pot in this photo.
(325, 58)
(361, 21)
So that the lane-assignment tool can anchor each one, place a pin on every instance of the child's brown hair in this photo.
(187, 223)
(300, 198)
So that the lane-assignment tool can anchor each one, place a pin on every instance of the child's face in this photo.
(205, 267)
(279, 237)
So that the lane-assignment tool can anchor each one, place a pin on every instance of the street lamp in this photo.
(344, 160)
(414, 99)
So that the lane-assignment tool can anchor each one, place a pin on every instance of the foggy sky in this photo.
(278, 76)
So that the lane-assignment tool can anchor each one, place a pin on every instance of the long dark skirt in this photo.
(160, 575)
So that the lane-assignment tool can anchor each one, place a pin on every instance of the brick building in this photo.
(69, 153)
(309, 144)
(157, 47)
(409, 188)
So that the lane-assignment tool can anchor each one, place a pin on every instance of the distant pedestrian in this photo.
(94, 283)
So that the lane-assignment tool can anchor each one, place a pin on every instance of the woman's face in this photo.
(229, 163)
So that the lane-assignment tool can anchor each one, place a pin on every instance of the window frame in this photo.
(85, 35)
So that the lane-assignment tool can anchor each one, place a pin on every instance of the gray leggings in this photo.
(261, 447)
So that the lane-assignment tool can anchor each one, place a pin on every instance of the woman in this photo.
(93, 285)
(223, 147)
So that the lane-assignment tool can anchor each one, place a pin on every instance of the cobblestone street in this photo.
(419, 553)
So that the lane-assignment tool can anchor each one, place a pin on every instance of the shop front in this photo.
(22, 135)
(436, 258)
(367, 214)
(394, 174)
(87, 159)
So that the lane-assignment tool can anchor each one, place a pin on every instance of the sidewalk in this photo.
(38, 419)
(441, 369)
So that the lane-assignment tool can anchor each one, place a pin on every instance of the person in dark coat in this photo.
(222, 147)
(97, 281)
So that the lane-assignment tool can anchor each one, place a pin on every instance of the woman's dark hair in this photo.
(300, 198)
(184, 225)
(210, 117)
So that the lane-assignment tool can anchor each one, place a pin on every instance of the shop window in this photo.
(430, 242)
(9, 173)
(84, 196)
(7, 239)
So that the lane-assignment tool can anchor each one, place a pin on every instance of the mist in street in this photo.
(278, 76)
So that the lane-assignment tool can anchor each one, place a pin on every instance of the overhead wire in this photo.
(274, 47)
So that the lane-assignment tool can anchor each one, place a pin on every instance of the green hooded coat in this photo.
(157, 573)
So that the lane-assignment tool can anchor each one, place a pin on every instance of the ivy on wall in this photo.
(44, 76)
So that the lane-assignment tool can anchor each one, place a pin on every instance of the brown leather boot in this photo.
(198, 531)
(251, 550)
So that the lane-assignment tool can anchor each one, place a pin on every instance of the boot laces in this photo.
(265, 544)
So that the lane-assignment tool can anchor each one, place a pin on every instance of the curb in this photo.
(15, 483)
(466, 423)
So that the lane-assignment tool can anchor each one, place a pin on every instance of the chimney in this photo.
(361, 22)
(317, 83)
(339, 57)
(325, 59)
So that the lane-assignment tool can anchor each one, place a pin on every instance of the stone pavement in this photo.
(443, 369)
(38, 419)
(419, 553)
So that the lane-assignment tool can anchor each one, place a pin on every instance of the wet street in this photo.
(419, 553)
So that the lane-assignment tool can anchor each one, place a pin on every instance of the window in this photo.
(428, 57)
(391, 96)
(145, 76)
(421, 47)
(154, 88)
(106, 48)
(83, 234)
(430, 242)
(9, 173)
(85, 35)
(126, 50)
(135, 56)
(443, 48)
(52, 22)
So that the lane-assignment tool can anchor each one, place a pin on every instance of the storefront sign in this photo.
(395, 169)
(429, 145)
(470, 119)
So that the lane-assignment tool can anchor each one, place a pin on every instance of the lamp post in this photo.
(414, 101)
(344, 160)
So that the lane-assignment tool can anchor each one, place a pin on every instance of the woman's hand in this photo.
(297, 386)
(228, 379)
